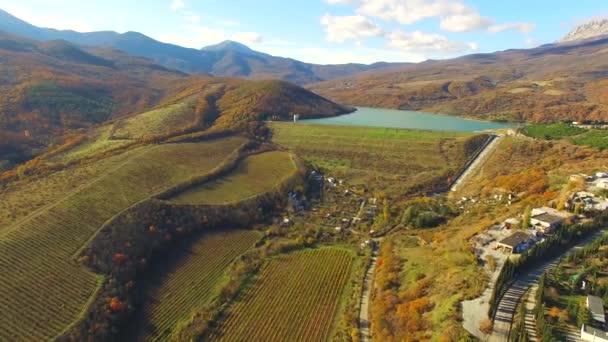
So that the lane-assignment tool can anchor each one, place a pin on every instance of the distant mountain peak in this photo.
(228, 45)
(593, 28)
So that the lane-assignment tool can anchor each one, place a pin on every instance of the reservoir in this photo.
(393, 118)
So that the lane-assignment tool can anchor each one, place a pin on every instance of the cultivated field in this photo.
(156, 121)
(295, 298)
(192, 281)
(256, 174)
(368, 155)
(42, 288)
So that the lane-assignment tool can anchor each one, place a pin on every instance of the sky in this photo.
(327, 31)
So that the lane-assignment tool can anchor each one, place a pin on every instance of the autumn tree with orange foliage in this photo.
(398, 314)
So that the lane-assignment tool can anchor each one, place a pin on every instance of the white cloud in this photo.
(524, 28)
(453, 15)
(465, 22)
(177, 4)
(411, 11)
(427, 43)
(340, 29)
(248, 37)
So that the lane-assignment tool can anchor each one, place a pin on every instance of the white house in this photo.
(592, 334)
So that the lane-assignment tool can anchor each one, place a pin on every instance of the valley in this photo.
(154, 192)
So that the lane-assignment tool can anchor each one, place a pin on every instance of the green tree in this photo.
(584, 315)
(525, 224)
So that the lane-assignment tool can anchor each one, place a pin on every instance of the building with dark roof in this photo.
(546, 222)
(516, 243)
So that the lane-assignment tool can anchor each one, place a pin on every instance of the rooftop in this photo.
(596, 306)
(515, 239)
(549, 218)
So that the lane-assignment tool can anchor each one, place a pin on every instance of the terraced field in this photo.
(295, 299)
(156, 121)
(254, 175)
(42, 288)
(192, 282)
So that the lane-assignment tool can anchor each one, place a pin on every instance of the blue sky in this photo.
(327, 31)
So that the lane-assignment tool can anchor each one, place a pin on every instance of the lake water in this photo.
(408, 119)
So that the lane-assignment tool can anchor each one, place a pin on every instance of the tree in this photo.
(584, 315)
(386, 212)
(525, 224)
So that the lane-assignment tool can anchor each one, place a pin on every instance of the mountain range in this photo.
(52, 90)
(229, 59)
(553, 82)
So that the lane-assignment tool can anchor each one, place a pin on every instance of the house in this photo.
(596, 306)
(546, 223)
(601, 175)
(592, 334)
(602, 183)
(517, 243)
(552, 211)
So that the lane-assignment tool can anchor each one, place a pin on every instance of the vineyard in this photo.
(254, 175)
(192, 282)
(43, 289)
(295, 299)
(157, 121)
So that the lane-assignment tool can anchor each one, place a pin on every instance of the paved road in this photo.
(481, 158)
(508, 303)
(368, 285)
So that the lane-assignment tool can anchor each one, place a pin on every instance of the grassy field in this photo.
(43, 289)
(374, 155)
(130, 129)
(597, 138)
(553, 131)
(254, 175)
(156, 121)
(22, 197)
(192, 281)
(98, 141)
(295, 299)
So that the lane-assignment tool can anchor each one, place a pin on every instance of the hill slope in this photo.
(50, 89)
(226, 59)
(563, 81)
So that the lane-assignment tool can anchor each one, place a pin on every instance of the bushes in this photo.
(426, 213)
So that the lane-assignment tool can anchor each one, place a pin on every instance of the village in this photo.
(514, 236)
